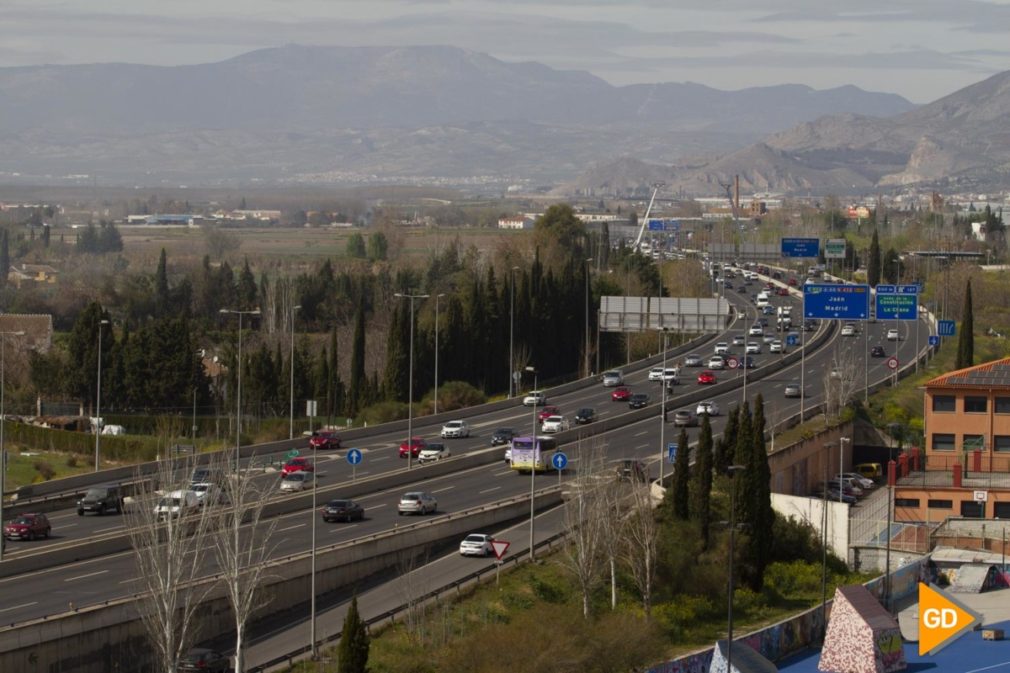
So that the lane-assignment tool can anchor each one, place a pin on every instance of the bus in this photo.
(527, 453)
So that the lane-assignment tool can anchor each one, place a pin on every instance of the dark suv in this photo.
(101, 499)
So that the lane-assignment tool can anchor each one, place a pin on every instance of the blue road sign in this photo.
(897, 302)
(671, 452)
(801, 247)
(559, 461)
(671, 225)
(934, 340)
(830, 301)
(945, 327)
(792, 339)
(655, 225)
(354, 456)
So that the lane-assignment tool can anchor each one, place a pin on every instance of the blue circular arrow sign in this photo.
(559, 461)
(354, 456)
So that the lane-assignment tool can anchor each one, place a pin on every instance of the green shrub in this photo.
(793, 579)
(383, 412)
(71, 460)
(453, 395)
(44, 469)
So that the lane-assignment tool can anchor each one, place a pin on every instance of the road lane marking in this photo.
(81, 577)
(501, 474)
(337, 529)
(281, 530)
(643, 432)
(442, 490)
(18, 607)
(488, 490)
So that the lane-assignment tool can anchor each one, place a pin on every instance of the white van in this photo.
(176, 504)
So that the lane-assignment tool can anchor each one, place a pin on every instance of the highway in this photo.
(102, 579)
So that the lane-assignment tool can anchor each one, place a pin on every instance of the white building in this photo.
(516, 222)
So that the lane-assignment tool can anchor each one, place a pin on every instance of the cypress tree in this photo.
(701, 482)
(356, 394)
(161, 285)
(681, 478)
(759, 516)
(5, 257)
(873, 264)
(354, 642)
(725, 446)
(966, 340)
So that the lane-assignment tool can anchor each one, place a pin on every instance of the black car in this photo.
(585, 415)
(204, 660)
(809, 325)
(502, 436)
(342, 510)
(101, 499)
(747, 362)
(638, 400)
(629, 469)
(878, 352)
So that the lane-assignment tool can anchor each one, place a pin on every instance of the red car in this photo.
(706, 377)
(27, 527)
(792, 282)
(621, 394)
(324, 439)
(547, 412)
(417, 444)
(297, 465)
(783, 292)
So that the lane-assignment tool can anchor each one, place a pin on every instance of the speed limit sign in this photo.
(892, 362)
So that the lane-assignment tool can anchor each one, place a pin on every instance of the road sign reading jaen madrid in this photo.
(829, 301)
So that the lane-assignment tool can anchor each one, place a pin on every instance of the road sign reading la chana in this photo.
(942, 619)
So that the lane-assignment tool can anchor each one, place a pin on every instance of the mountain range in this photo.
(360, 114)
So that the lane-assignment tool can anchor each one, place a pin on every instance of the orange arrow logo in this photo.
(942, 619)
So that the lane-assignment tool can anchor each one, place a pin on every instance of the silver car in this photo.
(298, 481)
(455, 429)
(417, 502)
(693, 360)
(612, 378)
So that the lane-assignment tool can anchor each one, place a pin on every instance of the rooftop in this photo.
(994, 374)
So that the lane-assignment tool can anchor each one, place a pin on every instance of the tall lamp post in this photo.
(437, 297)
(410, 378)
(662, 415)
(238, 394)
(512, 318)
(533, 465)
(98, 397)
(732, 470)
(291, 383)
(3, 452)
(586, 358)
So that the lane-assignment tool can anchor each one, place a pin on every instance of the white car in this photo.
(722, 348)
(535, 398)
(860, 480)
(848, 329)
(717, 362)
(554, 424)
(738, 340)
(476, 544)
(892, 334)
(756, 330)
(455, 429)
(298, 481)
(433, 451)
(671, 375)
(207, 493)
(768, 338)
(177, 503)
(776, 346)
(709, 407)
(656, 374)
(753, 348)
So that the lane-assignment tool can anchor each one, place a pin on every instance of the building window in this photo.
(943, 441)
(973, 442)
(940, 504)
(1002, 405)
(943, 403)
(973, 404)
(1001, 510)
(1001, 443)
(972, 509)
(906, 502)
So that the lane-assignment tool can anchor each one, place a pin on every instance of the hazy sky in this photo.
(922, 49)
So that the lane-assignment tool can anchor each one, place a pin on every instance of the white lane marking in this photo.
(643, 432)
(488, 490)
(81, 577)
(642, 446)
(105, 530)
(381, 504)
(442, 490)
(337, 529)
(18, 607)
(281, 530)
(132, 579)
(501, 474)
(380, 458)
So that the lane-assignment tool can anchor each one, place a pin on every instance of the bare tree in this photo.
(611, 535)
(841, 382)
(640, 531)
(242, 547)
(585, 510)
(413, 587)
(170, 544)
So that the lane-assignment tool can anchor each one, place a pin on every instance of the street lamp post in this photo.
(841, 463)
(586, 358)
(410, 376)
(238, 394)
(291, 383)
(662, 415)
(437, 297)
(3, 452)
(512, 317)
(732, 470)
(98, 397)
(533, 464)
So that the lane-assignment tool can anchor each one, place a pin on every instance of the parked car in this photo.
(502, 436)
(434, 451)
(710, 407)
(417, 502)
(614, 377)
(717, 362)
(455, 429)
(585, 415)
(326, 440)
(706, 377)
(892, 334)
(342, 510)
(722, 348)
(684, 418)
(554, 424)
(476, 544)
(620, 394)
(792, 390)
(297, 465)
(547, 412)
(177, 504)
(693, 360)
(298, 481)
(638, 400)
(872, 471)
(878, 352)
(862, 481)
(27, 527)
(101, 499)
(204, 660)
(535, 398)
(656, 374)
(413, 448)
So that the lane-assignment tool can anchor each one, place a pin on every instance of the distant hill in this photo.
(354, 111)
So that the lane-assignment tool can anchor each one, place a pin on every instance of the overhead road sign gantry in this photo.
(801, 247)
(829, 301)
(897, 302)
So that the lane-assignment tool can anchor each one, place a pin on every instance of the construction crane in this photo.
(648, 211)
